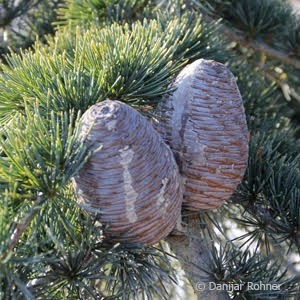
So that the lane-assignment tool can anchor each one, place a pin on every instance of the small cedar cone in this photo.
(133, 179)
(204, 123)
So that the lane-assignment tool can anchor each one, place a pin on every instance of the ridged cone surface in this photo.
(204, 123)
(133, 179)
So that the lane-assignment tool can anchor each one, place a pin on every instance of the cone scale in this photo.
(133, 179)
(204, 123)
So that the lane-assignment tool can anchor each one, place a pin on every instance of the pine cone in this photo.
(133, 179)
(204, 123)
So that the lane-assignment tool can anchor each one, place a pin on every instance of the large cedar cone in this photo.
(204, 123)
(133, 179)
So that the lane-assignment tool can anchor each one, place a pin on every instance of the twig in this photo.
(261, 46)
(21, 227)
(193, 254)
(243, 40)
(290, 95)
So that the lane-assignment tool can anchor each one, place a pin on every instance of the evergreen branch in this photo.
(246, 22)
(42, 153)
(290, 94)
(21, 227)
(12, 12)
(50, 249)
(132, 63)
(193, 252)
(100, 12)
(228, 265)
(260, 46)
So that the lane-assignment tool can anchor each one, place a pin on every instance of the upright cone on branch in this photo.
(133, 179)
(204, 123)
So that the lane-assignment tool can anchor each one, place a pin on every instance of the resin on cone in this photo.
(204, 123)
(133, 179)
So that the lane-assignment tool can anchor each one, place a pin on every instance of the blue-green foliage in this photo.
(132, 63)
(131, 51)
